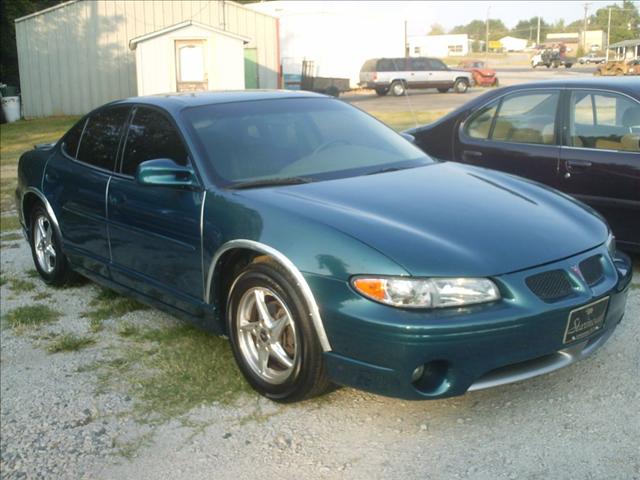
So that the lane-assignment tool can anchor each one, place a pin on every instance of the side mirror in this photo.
(409, 137)
(165, 172)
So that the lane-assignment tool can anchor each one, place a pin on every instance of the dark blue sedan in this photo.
(327, 247)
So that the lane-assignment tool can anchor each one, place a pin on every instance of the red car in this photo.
(485, 77)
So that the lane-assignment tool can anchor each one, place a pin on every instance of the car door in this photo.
(419, 75)
(600, 158)
(439, 75)
(75, 181)
(516, 133)
(155, 231)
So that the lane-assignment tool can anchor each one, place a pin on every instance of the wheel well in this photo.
(401, 80)
(29, 201)
(464, 79)
(226, 270)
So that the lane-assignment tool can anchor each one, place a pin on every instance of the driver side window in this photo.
(151, 136)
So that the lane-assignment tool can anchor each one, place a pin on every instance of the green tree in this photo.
(477, 29)
(436, 29)
(529, 29)
(625, 21)
(9, 11)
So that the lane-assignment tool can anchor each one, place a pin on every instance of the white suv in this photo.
(395, 75)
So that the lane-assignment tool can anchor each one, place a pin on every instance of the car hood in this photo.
(446, 218)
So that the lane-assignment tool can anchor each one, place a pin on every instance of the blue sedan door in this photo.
(75, 182)
(600, 161)
(155, 230)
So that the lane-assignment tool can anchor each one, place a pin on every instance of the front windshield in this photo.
(311, 138)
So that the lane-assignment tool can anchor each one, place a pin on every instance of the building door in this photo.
(251, 79)
(191, 71)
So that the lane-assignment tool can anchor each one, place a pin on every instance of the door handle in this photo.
(471, 155)
(116, 199)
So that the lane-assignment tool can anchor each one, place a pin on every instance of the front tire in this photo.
(272, 336)
(398, 88)
(461, 85)
(45, 242)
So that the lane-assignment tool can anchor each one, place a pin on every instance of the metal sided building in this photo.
(81, 54)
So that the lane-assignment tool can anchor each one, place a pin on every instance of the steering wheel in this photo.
(328, 144)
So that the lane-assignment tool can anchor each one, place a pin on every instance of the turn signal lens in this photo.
(406, 292)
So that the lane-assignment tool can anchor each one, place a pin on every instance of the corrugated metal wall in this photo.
(76, 57)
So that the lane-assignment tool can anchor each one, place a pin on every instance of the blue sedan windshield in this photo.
(310, 138)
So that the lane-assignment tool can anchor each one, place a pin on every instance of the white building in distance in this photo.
(439, 45)
(513, 44)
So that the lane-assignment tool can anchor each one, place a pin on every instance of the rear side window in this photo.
(101, 137)
(151, 135)
(392, 65)
(72, 139)
(604, 121)
(518, 118)
(369, 66)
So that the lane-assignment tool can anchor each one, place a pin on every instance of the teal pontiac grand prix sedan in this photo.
(327, 247)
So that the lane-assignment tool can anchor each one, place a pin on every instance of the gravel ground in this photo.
(580, 422)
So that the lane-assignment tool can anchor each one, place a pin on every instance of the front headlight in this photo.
(611, 245)
(406, 292)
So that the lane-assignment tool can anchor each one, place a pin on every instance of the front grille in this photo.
(591, 270)
(550, 286)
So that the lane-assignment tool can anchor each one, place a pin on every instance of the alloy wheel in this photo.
(43, 243)
(267, 335)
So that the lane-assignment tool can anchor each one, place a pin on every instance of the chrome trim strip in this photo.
(204, 283)
(46, 203)
(540, 366)
(106, 217)
(314, 312)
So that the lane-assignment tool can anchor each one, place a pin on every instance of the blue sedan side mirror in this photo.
(165, 172)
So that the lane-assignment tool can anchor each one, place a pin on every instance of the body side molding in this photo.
(286, 263)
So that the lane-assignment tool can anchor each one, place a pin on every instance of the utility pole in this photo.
(538, 37)
(608, 35)
(406, 44)
(486, 39)
(584, 32)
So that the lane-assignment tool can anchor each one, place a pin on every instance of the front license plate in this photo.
(585, 320)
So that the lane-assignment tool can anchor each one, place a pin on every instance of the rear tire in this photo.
(398, 88)
(267, 317)
(381, 92)
(46, 248)
(461, 85)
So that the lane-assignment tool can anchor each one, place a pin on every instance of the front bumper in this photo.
(378, 348)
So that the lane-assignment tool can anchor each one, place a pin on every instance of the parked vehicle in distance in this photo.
(592, 58)
(482, 75)
(578, 136)
(618, 68)
(396, 75)
(326, 246)
(551, 58)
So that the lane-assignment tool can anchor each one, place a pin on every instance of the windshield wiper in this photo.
(270, 182)
(387, 169)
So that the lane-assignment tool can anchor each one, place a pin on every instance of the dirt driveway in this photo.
(102, 388)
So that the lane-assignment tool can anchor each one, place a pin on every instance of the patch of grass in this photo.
(173, 370)
(9, 223)
(128, 330)
(41, 296)
(3, 280)
(110, 304)
(31, 316)
(404, 120)
(15, 139)
(69, 342)
(11, 237)
(32, 273)
(19, 285)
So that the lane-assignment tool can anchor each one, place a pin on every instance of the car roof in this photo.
(178, 101)
(629, 85)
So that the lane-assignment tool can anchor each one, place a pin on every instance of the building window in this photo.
(455, 48)
(416, 50)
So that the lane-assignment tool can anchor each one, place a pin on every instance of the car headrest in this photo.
(631, 117)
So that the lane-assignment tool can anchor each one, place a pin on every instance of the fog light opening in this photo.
(431, 377)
